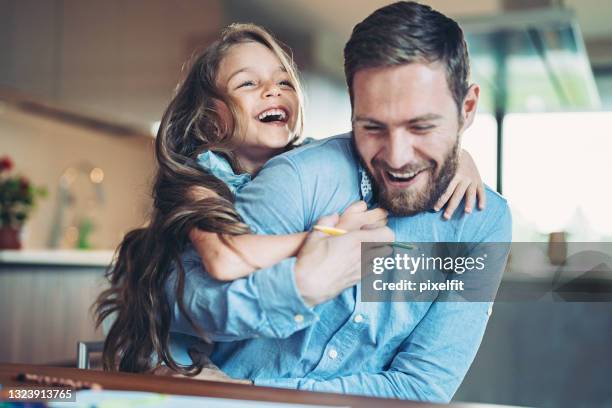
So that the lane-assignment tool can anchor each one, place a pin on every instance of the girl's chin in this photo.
(268, 147)
(276, 140)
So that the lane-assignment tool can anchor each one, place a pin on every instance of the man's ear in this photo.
(469, 106)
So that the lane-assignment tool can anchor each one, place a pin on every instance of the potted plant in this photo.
(17, 199)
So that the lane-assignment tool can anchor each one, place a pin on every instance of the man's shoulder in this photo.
(494, 223)
(495, 200)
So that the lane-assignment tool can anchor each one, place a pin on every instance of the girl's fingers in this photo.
(447, 194)
(482, 196)
(470, 198)
(456, 198)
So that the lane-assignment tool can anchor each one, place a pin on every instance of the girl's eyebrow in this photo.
(247, 69)
(241, 70)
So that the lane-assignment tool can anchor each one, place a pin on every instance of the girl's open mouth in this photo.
(274, 116)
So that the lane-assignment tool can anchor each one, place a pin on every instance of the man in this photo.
(407, 72)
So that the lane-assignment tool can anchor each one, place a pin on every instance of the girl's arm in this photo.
(466, 183)
(241, 255)
(229, 257)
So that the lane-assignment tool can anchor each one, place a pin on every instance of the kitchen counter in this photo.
(45, 299)
(58, 257)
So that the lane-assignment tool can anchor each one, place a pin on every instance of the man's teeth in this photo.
(408, 175)
(277, 112)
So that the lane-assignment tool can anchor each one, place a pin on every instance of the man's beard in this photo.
(406, 202)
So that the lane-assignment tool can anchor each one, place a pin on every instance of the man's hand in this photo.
(327, 265)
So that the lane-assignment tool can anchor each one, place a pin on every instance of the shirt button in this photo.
(358, 318)
(298, 318)
(332, 354)
(490, 310)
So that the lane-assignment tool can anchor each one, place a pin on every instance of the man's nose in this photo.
(271, 89)
(400, 148)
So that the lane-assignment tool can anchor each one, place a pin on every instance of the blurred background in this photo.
(83, 86)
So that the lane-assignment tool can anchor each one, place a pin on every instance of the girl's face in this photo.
(252, 75)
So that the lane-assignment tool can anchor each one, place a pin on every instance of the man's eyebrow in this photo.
(425, 118)
(366, 119)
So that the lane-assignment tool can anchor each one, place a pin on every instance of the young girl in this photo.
(239, 105)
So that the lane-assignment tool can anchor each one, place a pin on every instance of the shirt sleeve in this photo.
(267, 302)
(433, 360)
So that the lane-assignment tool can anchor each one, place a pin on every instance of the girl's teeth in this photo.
(279, 112)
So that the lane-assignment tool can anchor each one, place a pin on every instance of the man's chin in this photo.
(406, 201)
(401, 204)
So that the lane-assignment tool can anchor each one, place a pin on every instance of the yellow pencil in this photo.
(329, 230)
(334, 232)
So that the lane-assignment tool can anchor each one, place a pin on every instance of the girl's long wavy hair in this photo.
(138, 340)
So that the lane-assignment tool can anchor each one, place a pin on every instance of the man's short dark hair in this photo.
(407, 32)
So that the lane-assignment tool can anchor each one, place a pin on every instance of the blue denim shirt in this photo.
(264, 330)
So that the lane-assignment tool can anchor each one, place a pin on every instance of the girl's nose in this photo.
(272, 89)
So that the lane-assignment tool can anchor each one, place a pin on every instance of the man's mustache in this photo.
(407, 168)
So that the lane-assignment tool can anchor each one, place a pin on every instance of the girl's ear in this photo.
(223, 110)
(224, 113)
(469, 106)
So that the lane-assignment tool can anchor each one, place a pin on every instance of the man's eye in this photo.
(370, 128)
(422, 129)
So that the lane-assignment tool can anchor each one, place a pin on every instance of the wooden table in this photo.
(183, 386)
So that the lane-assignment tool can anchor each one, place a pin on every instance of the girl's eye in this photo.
(245, 84)
(287, 83)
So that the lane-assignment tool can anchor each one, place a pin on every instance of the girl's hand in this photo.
(467, 182)
(357, 216)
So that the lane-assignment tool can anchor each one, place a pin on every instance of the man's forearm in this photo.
(388, 384)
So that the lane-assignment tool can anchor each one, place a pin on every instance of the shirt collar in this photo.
(220, 168)
(365, 187)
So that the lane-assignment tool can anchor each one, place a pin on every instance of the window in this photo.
(556, 174)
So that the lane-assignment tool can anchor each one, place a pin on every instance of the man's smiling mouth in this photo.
(403, 177)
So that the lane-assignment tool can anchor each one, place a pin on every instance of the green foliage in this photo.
(17, 195)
